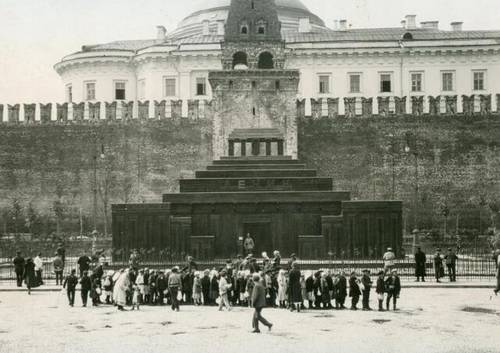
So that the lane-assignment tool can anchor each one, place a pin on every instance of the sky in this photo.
(36, 34)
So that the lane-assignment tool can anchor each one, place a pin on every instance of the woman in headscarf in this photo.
(120, 290)
(282, 288)
(30, 275)
(295, 285)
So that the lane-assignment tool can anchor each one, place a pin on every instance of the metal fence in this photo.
(474, 267)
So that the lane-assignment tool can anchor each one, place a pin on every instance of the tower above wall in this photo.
(253, 20)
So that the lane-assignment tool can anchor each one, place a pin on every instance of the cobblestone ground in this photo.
(430, 320)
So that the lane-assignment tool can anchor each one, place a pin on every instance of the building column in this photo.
(37, 111)
(185, 92)
(460, 104)
(308, 108)
(21, 113)
(375, 105)
(494, 103)
(268, 148)
(231, 148)
(255, 147)
(102, 110)
(280, 148)
(341, 106)
(243, 148)
(408, 104)
(426, 105)
(53, 111)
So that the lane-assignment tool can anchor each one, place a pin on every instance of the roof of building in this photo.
(384, 34)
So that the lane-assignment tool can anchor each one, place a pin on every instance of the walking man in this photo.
(86, 286)
(380, 290)
(451, 263)
(420, 260)
(70, 283)
(58, 269)
(19, 263)
(259, 302)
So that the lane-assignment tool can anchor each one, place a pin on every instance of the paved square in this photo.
(430, 320)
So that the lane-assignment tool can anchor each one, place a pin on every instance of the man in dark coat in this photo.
(205, 287)
(70, 283)
(161, 287)
(354, 291)
(341, 291)
(84, 263)
(420, 260)
(295, 298)
(451, 263)
(367, 285)
(86, 286)
(259, 302)
(393, 288)
(309, 291)
(19, 263)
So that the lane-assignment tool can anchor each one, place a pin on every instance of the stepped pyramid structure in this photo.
(256, 185)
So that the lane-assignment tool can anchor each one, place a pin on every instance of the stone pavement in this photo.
(435, 321)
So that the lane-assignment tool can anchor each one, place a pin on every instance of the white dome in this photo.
(213, 11)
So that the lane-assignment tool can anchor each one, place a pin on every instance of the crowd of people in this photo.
(243, 281)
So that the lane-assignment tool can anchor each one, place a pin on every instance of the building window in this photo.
(479, 78)
(324, 84)
(447, 81)
(386, 83)
(141, 89)
(201, 86)
(90, 91)
(354, 83)
(261, 27)
(266, 61)
(244, 28)
(69, 93)
(170, 87)
(119, 90)
(416, 82)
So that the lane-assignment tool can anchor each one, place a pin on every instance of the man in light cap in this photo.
(259, 302)
(389, 258)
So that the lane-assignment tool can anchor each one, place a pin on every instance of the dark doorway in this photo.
(261, 234)
(266, 61)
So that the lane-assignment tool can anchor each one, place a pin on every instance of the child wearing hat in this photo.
(380, 289)
(393, 288)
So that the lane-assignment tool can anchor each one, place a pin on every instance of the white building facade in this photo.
(339, 64)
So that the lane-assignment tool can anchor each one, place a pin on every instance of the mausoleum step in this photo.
(270, 173)
(256, 158)
(256, 161)
(255, 184)
(255, 166)
(274, 197)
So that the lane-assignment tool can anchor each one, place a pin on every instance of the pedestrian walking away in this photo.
(259, 302)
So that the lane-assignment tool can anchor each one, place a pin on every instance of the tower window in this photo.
(253, 5)
(90, 91)
(261, 27)
(266, 61)
(254, 84)
(244, 27)
(240, 58)
(254, 112)
(69, 93)
(277, 84)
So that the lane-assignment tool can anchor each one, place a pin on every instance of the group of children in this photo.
(233, 287)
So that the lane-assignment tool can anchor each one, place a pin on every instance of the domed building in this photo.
(409, 68)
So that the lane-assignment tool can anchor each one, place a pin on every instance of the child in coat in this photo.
(136, 295)
(197, 289)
